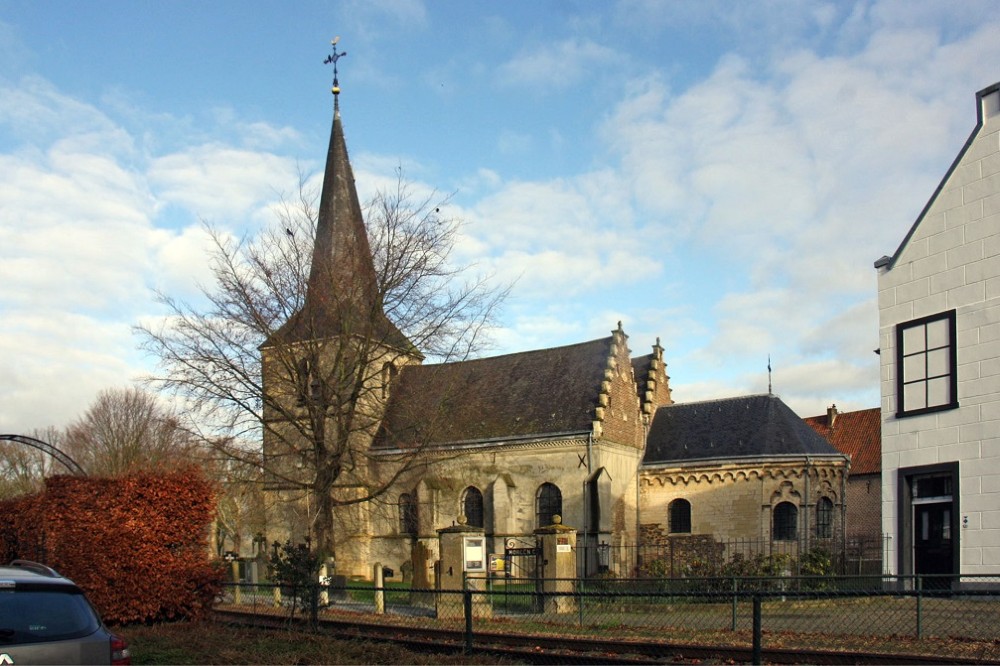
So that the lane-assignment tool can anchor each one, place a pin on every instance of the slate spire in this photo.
(342, 267)
(342, 294)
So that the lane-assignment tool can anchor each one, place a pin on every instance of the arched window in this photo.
(679, 517)
(824, 518)
(389, 372)
(310, 387)
(407, 514)
(548, 503)
(472, 506)
(786, 522)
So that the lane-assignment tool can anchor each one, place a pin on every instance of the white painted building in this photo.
(939, 330)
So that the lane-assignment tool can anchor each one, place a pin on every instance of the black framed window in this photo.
(679, 517)
(786, 522)
(824, 518)
(472, 506)
(926, 365)
(407, 514)
(548, 503)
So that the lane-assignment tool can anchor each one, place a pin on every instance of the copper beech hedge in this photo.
(137, 545)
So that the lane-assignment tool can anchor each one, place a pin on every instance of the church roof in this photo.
(342, 295)
(745, 427)
(858, 434)
(515, 396)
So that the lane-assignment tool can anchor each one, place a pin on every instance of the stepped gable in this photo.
(547, 392)
(745, 427)
(651, 381)
(858, 434)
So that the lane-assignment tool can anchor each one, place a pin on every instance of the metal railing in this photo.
(920, 615)
(702, 555)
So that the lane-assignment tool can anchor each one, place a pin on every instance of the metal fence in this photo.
(944, 615)
(705, 556)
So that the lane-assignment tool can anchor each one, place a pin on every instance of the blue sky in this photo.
(720, 175)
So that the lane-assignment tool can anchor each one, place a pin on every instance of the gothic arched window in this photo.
(786, 522)
(407, 514)
(824, 518)
(310, 387)
(389, 373)
(548, 503)
(679, 517)
(472, 506)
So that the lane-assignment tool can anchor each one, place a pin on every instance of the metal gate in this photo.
(524, 570)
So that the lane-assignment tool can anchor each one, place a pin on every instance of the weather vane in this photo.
(334, 57)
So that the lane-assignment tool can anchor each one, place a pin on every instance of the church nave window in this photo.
(472, 506)
(548, 503)
(824, 518)
(679, 517)
(407, 514)
(786, 522)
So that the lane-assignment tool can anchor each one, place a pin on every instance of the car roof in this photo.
(26, 572)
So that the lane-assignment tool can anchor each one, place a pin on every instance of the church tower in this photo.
(327, 371)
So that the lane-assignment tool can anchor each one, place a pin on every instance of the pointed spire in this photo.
(342, 259)
(342, 295)
(342, 263)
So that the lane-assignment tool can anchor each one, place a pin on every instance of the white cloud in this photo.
(54, 363)
(556, 66)
(739, 209)
(221, 182)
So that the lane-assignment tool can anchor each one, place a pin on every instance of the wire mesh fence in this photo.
(931, 614)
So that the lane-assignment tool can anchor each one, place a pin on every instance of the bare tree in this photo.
(241, 506)
(291, 356)
(126, 430)
(23, 468)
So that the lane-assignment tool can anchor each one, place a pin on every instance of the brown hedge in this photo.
(137, 545)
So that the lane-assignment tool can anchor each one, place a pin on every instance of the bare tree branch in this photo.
(262, 365)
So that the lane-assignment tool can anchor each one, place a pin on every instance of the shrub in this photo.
(816, 562)
(137, 545)
(295, 568)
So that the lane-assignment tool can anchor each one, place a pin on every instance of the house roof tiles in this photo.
(858, 434)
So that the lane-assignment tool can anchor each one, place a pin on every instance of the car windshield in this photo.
(33, 616)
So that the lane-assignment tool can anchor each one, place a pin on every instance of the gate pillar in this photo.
(559, 565)
(462, 566)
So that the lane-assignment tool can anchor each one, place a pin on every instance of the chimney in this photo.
(831, 416)
(989, 101)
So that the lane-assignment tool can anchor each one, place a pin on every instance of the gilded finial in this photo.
(334, 57)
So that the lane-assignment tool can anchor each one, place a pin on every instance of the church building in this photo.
(587, 433)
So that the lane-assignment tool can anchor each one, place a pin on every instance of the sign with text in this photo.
(474, 553)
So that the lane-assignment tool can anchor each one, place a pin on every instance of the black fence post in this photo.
(920, 606)
(736, 588)
(467, 603)
(757, 631)
(314, 606)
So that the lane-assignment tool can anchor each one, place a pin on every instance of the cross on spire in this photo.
(333, 58)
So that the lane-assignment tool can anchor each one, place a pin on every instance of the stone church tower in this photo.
(326, 371)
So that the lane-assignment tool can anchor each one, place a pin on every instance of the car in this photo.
(46, 619)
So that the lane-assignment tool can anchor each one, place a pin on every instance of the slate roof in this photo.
(858, 434)
(342, 295)
(731, 428)
(544, 392)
